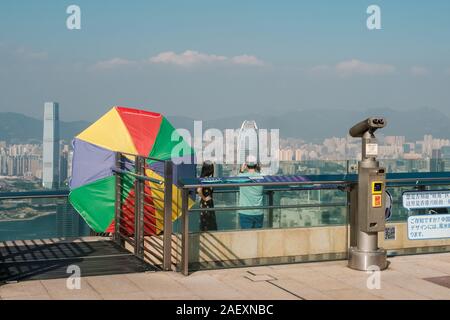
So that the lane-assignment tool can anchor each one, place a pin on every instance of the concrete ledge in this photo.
(225, 249)
(271, 246)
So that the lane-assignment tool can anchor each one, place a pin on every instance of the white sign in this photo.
(371, 149)
(423, 227)
(426, 199)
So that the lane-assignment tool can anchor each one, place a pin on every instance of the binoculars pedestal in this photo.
(367, 210)
(367, 260)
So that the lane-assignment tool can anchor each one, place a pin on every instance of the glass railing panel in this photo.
(396, 239)
(40, 218)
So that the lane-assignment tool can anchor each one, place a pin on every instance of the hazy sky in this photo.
(208, 59)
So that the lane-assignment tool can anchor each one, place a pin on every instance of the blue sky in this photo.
(208, 59)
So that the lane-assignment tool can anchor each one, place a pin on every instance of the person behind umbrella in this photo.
(251, 196)
(207, 218)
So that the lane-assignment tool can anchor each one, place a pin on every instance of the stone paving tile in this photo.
(127, 296)
(442, 281)
(338, 271)
(443, 257)
(57, 289)
(352, 294)
(393, 292)
(112, 284)
(159, 285)
(22, 289)
(41, 297)
(259, 277)
(417, 269)
(303, 273)
(387, 290)
(418, 286)
(181, 297)
(438, 265)
(259, 290)
(207, 287)
(302, 290)
(319, 280)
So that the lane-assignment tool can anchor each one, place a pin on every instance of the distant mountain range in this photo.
(19, 128)
(312, 125)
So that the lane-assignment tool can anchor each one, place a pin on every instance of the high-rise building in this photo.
(285, 155)
(445, 152)
(435, 161)
(50, 157)
(298, 155)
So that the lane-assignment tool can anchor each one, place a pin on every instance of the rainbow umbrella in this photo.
(135, 132)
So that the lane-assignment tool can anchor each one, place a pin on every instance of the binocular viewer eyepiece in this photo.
(369, 125)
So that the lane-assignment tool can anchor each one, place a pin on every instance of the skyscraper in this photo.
(50, 158)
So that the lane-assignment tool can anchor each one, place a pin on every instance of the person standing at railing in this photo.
(207, 218)
(251, 196)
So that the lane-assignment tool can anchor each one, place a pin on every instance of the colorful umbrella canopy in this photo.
(135, 132)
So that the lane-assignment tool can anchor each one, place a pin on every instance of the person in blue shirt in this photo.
(251, 196)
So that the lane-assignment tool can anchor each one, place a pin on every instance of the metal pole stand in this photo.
(368, 213)
(366, 255)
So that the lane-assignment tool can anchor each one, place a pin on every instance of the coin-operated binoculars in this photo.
(368, 201)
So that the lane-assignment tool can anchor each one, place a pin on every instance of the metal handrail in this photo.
(136, 155)
(34, 194)
(138, 176)
(272, 183)
(287, 206)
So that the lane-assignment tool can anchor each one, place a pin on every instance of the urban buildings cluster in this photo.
(20, 160)
(25, 160)
(49, 162)
(347, 148)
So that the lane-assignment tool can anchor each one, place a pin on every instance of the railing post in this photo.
(139, 186)
(184, 232)
(118, 201)
(270, 218)
(167, 235)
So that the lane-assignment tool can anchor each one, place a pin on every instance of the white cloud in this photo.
(28, 54)
(112, 63)
(22, 53)
(354, 67)
(419, 71)
(187, 58)
(320, 69)
(246, 59)
(192, 57)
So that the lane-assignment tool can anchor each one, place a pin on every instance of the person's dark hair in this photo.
(207, 169)
(256, 166)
